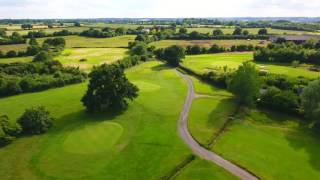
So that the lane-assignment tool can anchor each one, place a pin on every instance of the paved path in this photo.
(199, 150)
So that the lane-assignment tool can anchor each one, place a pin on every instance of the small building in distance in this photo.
(295, 38)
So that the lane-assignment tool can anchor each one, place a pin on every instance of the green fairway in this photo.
(82, 42)
(143, 142)
(86, 58)
(208, 43)
(207, 62)
(204, 170)
(264, 139)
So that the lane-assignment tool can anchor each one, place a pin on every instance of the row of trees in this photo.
(308, 52)
(15, 38)
(33, 121)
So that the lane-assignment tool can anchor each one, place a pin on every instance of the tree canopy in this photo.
(245, 83)
(108, 89)
(310, 99)
(173, 55)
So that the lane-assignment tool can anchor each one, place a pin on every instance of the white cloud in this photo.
(156, 8)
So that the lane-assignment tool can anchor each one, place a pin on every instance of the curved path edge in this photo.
(199, 150)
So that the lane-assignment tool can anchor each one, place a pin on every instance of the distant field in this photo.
(272, 145)
(15, 47)
(93, 56)
(208, 43)
(203, 63)
(79, 41)
(16, 59)
(127, 26)
(251, 31)
(49, 30)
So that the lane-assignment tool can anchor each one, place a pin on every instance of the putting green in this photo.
(93, 138)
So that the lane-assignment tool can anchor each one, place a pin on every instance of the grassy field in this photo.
(81, 42)
(93, 56)
(204, 170)
(230, 30)
(48, 30)
(15, 47)
(207, 43)
(203, 63)
(16, 59)
(78, 41)
(142, 143)
(263, 139)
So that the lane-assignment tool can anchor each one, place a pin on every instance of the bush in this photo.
(8, 131)
(42, 57)
(36, 120)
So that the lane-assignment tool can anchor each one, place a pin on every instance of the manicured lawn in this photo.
(272, 146)
(141, 143)
(207, 62)
(79, 41)
(206, 89)
(207, 43)
(204, 170)
(92, 56)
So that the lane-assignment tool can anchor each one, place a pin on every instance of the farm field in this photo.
(230, 30)
(208, 43)
(48, 30)
(81, 42)
(203, 63)
(142, 142)
(15, 47)
(86, 58)
(85, 42)
(16, 59)
(274, 139)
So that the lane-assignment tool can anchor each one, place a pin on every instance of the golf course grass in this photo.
(86, 58)
(204, 170)
(272, 145)
(140, 143)
(207, 43)
(207, 62)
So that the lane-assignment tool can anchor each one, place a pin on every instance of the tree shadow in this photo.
(81, 118)
(160, 67)
(300, 138)
(217, 113)
(305, 139)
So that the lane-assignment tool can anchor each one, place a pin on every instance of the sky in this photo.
(41, 9)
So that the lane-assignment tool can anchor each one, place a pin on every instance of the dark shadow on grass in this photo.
(161, 67)
(216, 113)
(305, 139)
(82, 118)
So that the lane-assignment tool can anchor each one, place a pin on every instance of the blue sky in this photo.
(157, 8)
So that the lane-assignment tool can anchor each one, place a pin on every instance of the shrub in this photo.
(8, 131)
(36, 120)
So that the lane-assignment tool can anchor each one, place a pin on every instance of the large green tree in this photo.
(108, 89)
(310, 100)
(174, 55)
(245, 84)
